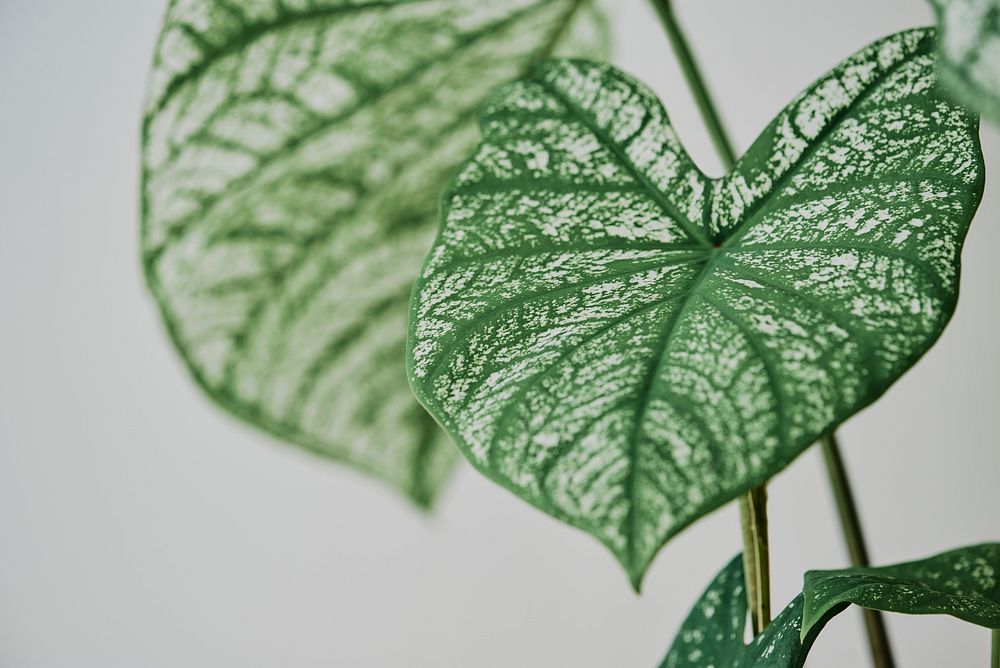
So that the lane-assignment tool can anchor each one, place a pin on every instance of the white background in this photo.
(140, 526)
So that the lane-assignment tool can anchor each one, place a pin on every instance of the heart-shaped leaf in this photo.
(969, 50)
(293, 155)
(962, 583)
(628, 344)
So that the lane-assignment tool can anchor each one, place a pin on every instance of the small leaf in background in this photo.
(293, 156)
(969, 48)
(628, 344)
(963, 583)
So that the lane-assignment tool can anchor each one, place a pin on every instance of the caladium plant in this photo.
(628, 344)
(963, 583)
(617, 338)
(292, 160)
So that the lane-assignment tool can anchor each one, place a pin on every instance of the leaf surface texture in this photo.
(961, 583)
(628, 344)
(293, 155)
(712, 635)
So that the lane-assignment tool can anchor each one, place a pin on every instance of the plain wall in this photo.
(142, 527)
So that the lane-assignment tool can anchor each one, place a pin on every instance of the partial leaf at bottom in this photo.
(961, 583)
(712, 634)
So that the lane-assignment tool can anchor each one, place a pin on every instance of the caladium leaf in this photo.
(962, 583)
(713, 633)
(780, 645)
(293, 156)
(969, 48)
(628, 344)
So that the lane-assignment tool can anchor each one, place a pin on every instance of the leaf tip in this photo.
(422, 501)
(635, 570)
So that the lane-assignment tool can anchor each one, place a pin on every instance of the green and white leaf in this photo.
(963, 583)
(628, 344)
(293, 156)
(713, 633)
(969, 48)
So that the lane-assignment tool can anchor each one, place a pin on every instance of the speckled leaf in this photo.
(712, 634)
(293, 157)
(780, 645)
(628, 344)
(969, 48)
(963, 583)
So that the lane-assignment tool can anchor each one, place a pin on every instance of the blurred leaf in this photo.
(969, 48)
(293, 155)
(628, 344)
(963, 583)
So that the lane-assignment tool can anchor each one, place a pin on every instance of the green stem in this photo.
(995, 662)
(753, 504)
(756, 560)
(878, 639)
(692, 73)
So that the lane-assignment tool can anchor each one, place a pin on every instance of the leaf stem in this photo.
(756, 560)
(878, 640)
(753, 504)
(692, 73)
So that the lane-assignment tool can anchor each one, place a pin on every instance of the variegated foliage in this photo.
(293, 155)
(628, 344)
(963, 583)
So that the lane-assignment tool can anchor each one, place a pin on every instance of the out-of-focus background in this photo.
(141, 526)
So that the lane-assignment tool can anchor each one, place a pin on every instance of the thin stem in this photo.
(753, 503)
(995, 661)
(692, 73)
(756, 561)
(878, 639)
